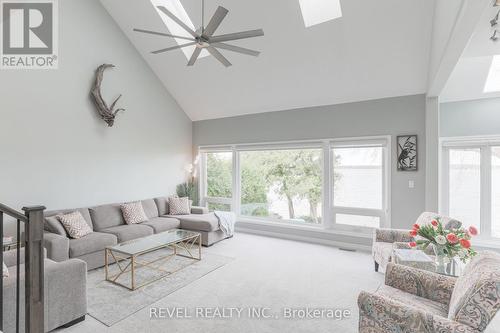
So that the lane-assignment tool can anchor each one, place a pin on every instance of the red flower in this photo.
(465, 243)
(413, 233)
(412, 244)
(452, 238)
(473, 230)
(434, 223)
(416, 226)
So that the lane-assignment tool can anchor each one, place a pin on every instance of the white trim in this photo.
(313, 240)
(205, 148)
(486, 194)
(328, 217)
(223, 201)
(468, 141)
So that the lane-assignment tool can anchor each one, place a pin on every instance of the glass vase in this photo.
(441, 259)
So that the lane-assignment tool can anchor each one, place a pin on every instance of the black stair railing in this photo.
(33, 267)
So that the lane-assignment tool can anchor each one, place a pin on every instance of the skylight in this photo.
(178, 10)
(319, 11)
(493, 81)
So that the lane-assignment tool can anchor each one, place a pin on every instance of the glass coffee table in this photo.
(127, 255)
(419, 259)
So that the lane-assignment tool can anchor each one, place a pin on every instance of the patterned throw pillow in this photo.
(133, 212)
(75, 224)
(5, 271)
(178, 206)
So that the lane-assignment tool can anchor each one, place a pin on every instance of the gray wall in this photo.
(477, 117)
(394, 116)
(56, 151)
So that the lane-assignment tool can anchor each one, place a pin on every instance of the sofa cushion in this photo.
(150, 208)
(162, 204)
(75, 224)
(133, 212)
(91, 243)
(179, 206)
(161, 224)
(106, 216)
(417, 302)
(476, 295)
(198, 222)
(128, 232)
(53, 225)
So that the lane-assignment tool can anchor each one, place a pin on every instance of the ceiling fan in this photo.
(204, 38)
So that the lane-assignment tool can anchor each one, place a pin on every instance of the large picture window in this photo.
(470, 186)
(282, 184)
(324, 183)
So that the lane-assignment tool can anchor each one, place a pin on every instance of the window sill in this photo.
(486, 243)
(360, 232)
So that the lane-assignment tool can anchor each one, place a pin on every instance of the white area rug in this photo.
(110, 303)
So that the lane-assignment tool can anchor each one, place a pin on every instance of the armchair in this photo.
(414, 300)
(385, 240)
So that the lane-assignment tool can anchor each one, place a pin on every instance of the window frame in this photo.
(485, 144)
(384, 214)
(328, 209)
(203, 186)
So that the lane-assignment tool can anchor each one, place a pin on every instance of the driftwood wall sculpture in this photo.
(108, 114)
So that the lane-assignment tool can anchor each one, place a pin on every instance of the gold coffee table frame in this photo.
(188, 244)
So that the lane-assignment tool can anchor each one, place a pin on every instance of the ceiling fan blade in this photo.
(173, 48)
(215, 21)
(218, 56)
(178, 21)
(161, 34)
(236, 49)
(237, 35)
(194, 57)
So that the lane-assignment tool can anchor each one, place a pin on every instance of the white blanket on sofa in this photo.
(226, 221)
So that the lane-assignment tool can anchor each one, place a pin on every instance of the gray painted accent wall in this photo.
(56, 151)
(477, 117)
(390, 116)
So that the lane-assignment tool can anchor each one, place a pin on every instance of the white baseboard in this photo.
(314, 240)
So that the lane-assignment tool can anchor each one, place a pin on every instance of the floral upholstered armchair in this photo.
(382, 247)
(385, 240)
(414, 300)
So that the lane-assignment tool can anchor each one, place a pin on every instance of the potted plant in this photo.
(190, 187)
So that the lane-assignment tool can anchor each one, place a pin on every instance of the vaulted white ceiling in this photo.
(376, 49)
(467, 82)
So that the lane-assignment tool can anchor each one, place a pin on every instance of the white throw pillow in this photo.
(75, 224)
(133, 212)
(179, 206)
(5, 271)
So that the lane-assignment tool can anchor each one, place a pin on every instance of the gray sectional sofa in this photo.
(65, 290)
(110, 228)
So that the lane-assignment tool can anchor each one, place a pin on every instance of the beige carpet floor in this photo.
(267, 273)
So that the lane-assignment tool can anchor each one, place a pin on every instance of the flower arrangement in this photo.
(451, 243)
